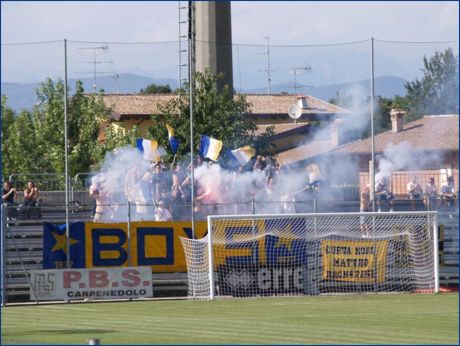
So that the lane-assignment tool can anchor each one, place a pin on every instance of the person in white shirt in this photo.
(162, 213)
(414, 191)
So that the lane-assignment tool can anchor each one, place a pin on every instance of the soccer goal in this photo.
(311, 254)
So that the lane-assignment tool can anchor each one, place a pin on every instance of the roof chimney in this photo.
(397, 120)
(302, 102)
(335, 134)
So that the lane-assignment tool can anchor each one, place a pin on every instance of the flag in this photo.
(149, 148)
(173, 140)
(243, 154)
(210, 147)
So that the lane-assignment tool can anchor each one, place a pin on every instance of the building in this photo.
(128, 110)
(427, 147)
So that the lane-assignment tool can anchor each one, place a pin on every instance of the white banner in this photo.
(96, 283)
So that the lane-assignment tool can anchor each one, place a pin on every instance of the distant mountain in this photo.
(386, 86)
(23, 95)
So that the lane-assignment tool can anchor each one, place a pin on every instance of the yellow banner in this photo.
(354, 261)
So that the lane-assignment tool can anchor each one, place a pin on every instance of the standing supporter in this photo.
(431, 195)
(364, 207)
(383, 193)
(315, 177)
(156, 182)
(97, 190)
(178, 196)
(8, 197)
(414, 191)
(448, 192)
(144, 202)
(31, 200)
(259, 180)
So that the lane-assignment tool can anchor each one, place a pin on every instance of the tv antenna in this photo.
(95, 62)
(297, 70)
(268, 70)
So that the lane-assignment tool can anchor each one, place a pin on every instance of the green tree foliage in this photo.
(156, 89)
(215, 114)
(33, 142)
(21, 149)
(8, 118)
(437, 91)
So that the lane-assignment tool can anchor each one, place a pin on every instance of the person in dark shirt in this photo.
(8, 197)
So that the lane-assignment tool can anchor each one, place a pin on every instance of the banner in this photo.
(107, 283)
(96, 245)
(354, 260)
(238, 281)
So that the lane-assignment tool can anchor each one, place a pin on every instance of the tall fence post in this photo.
(129, 234)
(3, 255)
(66, 160)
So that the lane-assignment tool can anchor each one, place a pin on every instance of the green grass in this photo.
(358, 319)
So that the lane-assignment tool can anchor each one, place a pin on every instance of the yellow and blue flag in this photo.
(243, 154)
(210, 147)
(173, 140)
(149, 148)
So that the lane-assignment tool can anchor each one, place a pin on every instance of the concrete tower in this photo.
(213, 39)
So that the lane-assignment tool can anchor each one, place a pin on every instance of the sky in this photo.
(286, 23)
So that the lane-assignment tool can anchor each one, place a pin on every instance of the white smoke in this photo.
(403, 156)
(121, 174)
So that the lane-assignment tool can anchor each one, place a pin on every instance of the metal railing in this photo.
(43, 181)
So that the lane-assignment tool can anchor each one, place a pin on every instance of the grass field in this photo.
(358, 319)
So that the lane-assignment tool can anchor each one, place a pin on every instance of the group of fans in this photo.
(157, 193)
(430, 197)
(161, 194)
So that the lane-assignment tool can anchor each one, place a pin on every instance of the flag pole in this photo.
(66, 159)
(372, 172)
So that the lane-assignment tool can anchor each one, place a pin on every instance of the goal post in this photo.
(311, 254)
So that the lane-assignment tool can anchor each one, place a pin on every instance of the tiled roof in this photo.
(132, 105)
(304, 151)
(279, 104)
(128, 105)
(432, 132)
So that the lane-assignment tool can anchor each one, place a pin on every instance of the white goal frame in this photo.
(430, 215)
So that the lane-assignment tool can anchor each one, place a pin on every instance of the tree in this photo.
(437, 91)
(33, 142)
(156, 89)
(215, 114)
(8, 118)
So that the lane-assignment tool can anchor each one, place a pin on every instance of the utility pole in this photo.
(95, 62)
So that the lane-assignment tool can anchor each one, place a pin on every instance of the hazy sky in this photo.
(287, 23)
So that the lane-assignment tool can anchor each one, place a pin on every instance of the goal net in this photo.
(311, 254)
